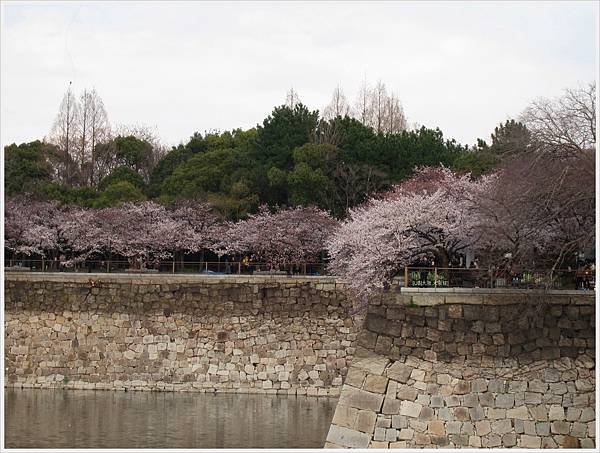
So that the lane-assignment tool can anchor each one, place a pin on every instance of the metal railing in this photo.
(424, 277)
(452, 277)
(171, 266)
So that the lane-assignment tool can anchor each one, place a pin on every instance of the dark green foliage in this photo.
(477, 162)
(27, 167)
(122, 173)
(311, 180)
(131, 151)
(510, 138)
(282, 131)
(202, 173)
(292, 158)
(166, 166)
(117, 193)
(82, 196)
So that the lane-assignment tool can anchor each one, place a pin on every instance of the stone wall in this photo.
(431, 368)
(246, 334)
(471, 368)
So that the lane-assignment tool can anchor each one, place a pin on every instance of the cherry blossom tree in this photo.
(283, 237)
(142, 233)
(33, 227)
(537, 212)
(431, 214)
(196, 226)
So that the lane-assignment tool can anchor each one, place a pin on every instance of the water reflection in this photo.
(36, 418)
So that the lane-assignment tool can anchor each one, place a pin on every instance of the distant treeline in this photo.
(296, 157)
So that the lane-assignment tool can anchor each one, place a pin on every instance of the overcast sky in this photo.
(185, 67)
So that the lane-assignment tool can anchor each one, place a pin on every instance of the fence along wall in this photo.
(246, 334)
(472, 368)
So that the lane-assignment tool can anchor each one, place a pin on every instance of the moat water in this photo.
(37, 418)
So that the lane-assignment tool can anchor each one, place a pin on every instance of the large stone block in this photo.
(360, 399)
(348, 438)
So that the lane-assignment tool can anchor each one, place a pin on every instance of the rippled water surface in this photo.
(36, 418)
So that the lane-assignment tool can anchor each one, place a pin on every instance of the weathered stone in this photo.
(399, 372)
(426, 414)
(537, 386)
(360, 399)
(587, 443)
(461, 413)
(391, 405)
(417, 375)
(505, 401)
(551, 375)
(406, 392)
(496, 414)
(476, 413)
(587, 414)
(479, 385)
(452, 401)
(365, 421)
(379, 434)
(539, 413)
(383, 421)
(533, 398)
(530, 441)
(410, 409)
(422, 439)
(399, 421)
(475, 441)
(573, 413)
(436, 428)
(406, 434)
(560, 427)
(445, 414)
(375, 384)
(529, 427)
(518, 412)
(483, 428)
(355, 377)
(542, 428)
(391, 435)
(578, 429)
(570, 442)
(417, 425)
(462, 388)
(496, 386)
(345, 416)
(493, 440)
(556, 413)
(347, 437)
(471, 400)
(509, 440)
(502, 426)
(453, 427)
(486, 399)
(436, 401)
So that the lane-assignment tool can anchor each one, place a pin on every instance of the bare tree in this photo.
(292, 98)
(378, 106)
(566, 125)
(99, 132)
(83, 131)
(395, 121)
(63, 135)
(363, 109)
(338, 106)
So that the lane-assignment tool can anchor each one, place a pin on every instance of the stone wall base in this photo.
(415, 403)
